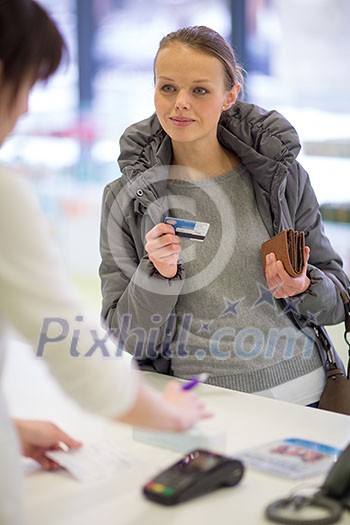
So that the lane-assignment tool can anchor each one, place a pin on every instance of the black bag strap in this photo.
(345, 295)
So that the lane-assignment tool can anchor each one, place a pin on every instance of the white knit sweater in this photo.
(34, 287)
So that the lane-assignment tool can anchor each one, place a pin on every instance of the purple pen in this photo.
(201, 378)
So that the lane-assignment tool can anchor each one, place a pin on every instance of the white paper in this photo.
(93, 461)
(208, 437)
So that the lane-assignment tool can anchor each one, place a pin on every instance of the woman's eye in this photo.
(167, 88)
(200, 91)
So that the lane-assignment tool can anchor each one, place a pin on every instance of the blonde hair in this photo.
(208, 41)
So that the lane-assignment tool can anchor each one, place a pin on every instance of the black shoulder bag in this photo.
(336, 394)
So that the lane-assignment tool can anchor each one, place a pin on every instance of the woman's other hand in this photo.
(38, 437)
(280, 283)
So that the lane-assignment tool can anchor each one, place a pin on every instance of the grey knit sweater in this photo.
(228, 324)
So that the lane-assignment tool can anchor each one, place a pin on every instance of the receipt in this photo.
(93, 461)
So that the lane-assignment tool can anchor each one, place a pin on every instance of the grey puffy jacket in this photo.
(133, 291)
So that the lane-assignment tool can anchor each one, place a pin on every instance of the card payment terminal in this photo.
(199, 472)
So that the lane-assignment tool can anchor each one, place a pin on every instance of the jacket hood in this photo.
(264, 140)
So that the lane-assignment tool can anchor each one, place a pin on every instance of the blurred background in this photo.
(297, 59)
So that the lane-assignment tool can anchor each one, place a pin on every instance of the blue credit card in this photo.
(194, 230)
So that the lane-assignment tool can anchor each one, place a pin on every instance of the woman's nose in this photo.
(182, 101)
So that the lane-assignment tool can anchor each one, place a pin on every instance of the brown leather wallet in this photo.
(288, 246)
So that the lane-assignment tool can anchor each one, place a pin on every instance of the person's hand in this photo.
(186, 404)
(280, 283)
(175, 410)
(38, 437)
(163, 248)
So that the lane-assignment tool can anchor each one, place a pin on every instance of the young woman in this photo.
(182, 307)
(36, 297)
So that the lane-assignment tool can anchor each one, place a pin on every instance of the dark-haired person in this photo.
(185, 307)
(35, 289)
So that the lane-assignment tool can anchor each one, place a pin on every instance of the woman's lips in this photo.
(181, 121)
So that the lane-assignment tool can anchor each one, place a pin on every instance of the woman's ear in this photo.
(231, 96)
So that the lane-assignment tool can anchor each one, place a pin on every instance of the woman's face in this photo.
(11, 109)
(190, 94)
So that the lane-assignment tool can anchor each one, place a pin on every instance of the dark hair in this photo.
(208, 41)
(30, 43)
